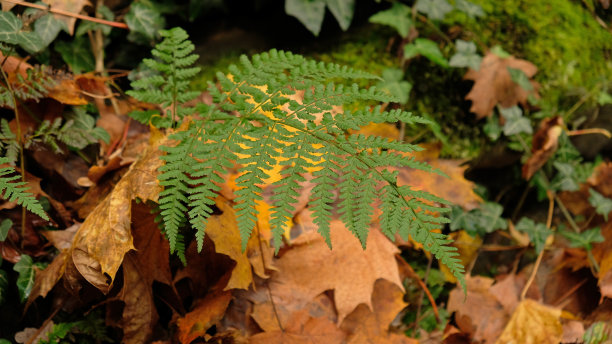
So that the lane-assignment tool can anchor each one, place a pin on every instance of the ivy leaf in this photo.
(4, 286)
(31, 42)
(584, 239)
(538, 232)
(5, 226)
(26, 269)
(144, 21)
(398, 17)
(309, 13)
(343, 11)
(427, 48)
(76, 54)
(602, 205)
(604, 98)
(480, 221)
(466, 55)
(492, 128)
(472, 10)
(566, 178)
(515, 122)
(10, 26)
(520, 78)
(47, 28)
(434, 9)
(393, 84)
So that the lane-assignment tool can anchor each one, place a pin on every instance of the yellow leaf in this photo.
(223, 231)
(467, 246)
(533, 323)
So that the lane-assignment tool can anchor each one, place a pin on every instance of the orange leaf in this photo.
(372, 326)
(302, 329)
(205, 314)
(347, 269)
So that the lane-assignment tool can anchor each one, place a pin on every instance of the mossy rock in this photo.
(561, 37)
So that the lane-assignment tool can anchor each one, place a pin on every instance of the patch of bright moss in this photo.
(562, 38)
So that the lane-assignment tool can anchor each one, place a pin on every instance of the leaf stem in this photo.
(69, 14)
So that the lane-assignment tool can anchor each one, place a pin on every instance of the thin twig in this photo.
(551, 207)
(601, 131)
(421, 294)
(423, 286)
(69, 14)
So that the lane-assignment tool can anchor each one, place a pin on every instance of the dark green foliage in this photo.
(255, 122)
(169, 86)
(538, 232)
(13, 190)
(77, 131)
(602, 205)
(33, 87)
(485, 219)
(584, 239)
(26, 268)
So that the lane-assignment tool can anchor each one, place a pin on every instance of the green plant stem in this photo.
(21, 153)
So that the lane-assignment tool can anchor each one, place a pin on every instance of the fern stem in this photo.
(21, 154)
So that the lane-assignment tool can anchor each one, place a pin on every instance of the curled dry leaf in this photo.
(104, 238)
(205, 314)
(493, 84)
(544, 145)
(533, 322)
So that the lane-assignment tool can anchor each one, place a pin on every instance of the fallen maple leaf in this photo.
(544, 144)
(348, 270)
(366, 325)
(205, 314)
(302, 329)
(533, 322)
(493, 84)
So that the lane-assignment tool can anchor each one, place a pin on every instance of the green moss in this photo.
(562, 38)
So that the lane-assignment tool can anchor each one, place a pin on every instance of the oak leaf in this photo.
(493, 84)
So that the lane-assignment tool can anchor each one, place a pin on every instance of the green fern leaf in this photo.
(13, 190)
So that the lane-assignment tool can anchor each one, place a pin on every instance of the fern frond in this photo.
(169, 87)
(288, 119)
(13, 190)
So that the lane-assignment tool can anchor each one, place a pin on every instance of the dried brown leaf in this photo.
(544, 145)
(493, 84)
